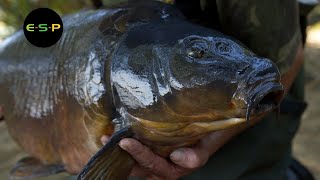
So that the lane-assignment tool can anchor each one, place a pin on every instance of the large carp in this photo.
(139, 71)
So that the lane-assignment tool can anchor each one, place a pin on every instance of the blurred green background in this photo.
(306, 146)
(13, 12)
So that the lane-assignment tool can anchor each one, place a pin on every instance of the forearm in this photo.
(289, 76)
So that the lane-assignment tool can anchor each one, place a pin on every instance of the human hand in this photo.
(182, 161)
(152, 166)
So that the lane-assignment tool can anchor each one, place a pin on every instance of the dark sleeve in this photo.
(268, 27)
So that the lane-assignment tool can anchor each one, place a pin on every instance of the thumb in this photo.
(105, 139)
(190, 158)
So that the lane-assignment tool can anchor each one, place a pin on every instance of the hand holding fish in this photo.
(152, 166)
(183, 161)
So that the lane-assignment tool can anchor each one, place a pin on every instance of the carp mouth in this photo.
(264, 98)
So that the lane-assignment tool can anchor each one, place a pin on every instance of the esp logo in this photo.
(43, 27)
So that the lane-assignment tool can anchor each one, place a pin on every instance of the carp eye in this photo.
(195, 52)
(197, 49)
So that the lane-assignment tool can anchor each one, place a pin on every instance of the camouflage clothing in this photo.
(271, 29)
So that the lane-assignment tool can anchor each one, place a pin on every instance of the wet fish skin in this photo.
(141, 66)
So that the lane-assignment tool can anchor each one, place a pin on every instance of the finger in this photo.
(138, 171)
(104, 139)
(215, 140)
(147, 159)
(190, 158)
(142, 154)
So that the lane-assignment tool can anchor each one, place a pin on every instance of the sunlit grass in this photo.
(313, 37)
(5, 30)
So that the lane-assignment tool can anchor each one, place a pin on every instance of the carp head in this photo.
(178, 79)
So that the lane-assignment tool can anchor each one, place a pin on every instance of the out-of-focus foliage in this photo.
(314, 15)
(13, 12)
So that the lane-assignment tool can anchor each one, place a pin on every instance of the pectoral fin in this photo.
(111, 162)
(29, 168)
